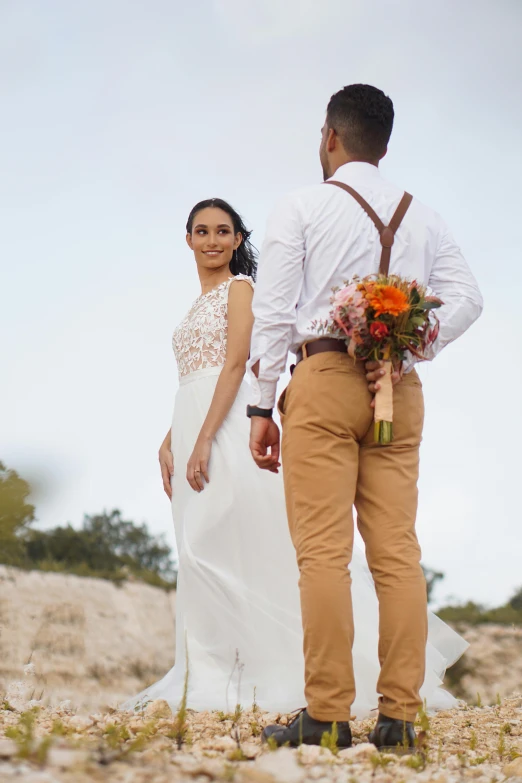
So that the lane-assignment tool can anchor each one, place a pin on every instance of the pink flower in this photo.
(344, 296)
(355, 313)
(342, 325)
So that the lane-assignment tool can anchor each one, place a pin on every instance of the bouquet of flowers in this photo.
(381, 318)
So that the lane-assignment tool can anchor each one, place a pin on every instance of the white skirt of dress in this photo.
(238, 596)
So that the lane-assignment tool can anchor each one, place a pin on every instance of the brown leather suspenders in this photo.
(386, 233)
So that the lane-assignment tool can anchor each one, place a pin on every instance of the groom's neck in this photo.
(352, 159)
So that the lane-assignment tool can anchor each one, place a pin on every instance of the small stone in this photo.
(65, 758)
(80, 723)
(186, 763)
(8, 748)
(453, 763)
(317, 774)
(514, 768)
(209, 769)
(358, 752)
(159, 708)
(221, 743)
(250, 750)
(309, 754)
(270, 718)
(282, 765)
(253, 775)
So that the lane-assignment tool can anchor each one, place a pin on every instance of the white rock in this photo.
(80, 722)
(513, 769)
(317, 773)
(65, 758)
(313, 754)
(453, 763)
(253, 775)
(222, 743)
(282, 764)
(186, 763)
(159, 708)
(208, 769)
(250, 750)
(309, 754)
(358, 752)
(8, 748)
(270, 718)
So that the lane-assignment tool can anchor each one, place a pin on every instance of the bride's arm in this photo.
(240, 321)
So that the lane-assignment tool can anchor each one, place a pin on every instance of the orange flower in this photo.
(388, 299)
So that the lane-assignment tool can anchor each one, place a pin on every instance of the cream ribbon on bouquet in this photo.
(383, 414)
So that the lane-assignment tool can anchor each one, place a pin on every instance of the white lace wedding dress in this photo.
(237, 588)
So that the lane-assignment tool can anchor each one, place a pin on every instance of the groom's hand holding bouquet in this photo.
(382, 318)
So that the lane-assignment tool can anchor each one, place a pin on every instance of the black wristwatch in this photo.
(253, 410)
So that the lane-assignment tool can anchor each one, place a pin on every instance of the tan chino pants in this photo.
(330, 464)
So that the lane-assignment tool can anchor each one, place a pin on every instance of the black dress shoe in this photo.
(305, 730)
(393, 735)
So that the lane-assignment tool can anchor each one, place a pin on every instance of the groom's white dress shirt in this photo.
(319, 237)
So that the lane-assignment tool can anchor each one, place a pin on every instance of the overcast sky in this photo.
(118, 115)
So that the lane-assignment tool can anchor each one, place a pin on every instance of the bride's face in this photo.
(212, 239)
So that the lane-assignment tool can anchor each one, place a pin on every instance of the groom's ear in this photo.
(332, 140)
(189, 241)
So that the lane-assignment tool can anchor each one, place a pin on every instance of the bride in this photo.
(238, 620)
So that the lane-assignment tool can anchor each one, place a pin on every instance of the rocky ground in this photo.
(93, 644)
(47, 745)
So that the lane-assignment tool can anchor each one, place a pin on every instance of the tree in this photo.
(516, 601)
(16, 515)
(432, 577)
(105, 544)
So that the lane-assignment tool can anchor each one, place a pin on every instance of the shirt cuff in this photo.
(263, 393)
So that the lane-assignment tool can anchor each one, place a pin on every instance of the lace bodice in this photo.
(200, 340)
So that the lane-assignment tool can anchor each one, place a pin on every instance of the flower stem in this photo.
(383, 432)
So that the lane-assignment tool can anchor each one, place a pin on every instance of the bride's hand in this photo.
(166, 461)
(197, 466)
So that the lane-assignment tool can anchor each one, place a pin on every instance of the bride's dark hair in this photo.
(244, 259)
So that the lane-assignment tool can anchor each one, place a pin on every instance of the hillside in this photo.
(95, 643)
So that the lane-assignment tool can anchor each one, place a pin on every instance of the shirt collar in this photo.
(356, 169)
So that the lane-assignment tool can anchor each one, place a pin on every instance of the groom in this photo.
(318, 238)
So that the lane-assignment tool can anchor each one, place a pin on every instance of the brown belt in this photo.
(319, 346)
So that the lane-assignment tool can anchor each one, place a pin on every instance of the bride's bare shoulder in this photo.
(241, 292)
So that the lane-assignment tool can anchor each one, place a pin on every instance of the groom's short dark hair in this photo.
(362, 117)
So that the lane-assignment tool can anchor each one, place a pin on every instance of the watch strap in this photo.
(253, 410)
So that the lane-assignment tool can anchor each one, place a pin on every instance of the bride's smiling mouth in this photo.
(212, 252)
